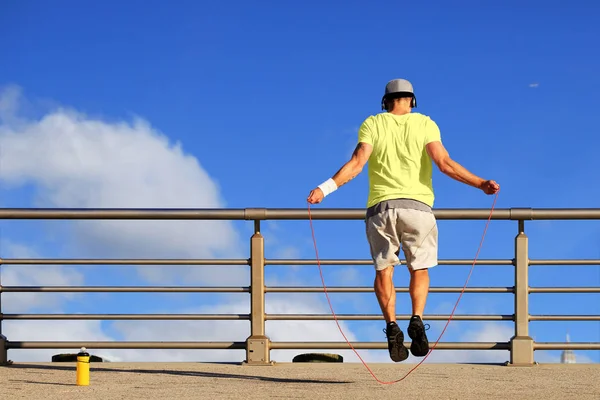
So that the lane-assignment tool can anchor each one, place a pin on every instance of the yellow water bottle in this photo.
(83, 368)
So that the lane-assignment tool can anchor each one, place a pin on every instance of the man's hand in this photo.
(490, 187)
(316, 196)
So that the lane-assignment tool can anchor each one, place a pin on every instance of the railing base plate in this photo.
(521, 351)
(257, 351)
(508, 364)
(4, 351)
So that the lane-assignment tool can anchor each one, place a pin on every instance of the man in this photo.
(400, 146)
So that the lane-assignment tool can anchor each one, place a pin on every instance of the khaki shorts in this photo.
(414, 231)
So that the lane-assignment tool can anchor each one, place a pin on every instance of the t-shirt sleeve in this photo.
(365, 133)
(432, 132)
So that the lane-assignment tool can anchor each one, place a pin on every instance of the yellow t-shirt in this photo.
(399, 166)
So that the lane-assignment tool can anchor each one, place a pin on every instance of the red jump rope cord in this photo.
(447, 323)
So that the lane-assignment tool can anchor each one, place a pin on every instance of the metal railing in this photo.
(258, 345)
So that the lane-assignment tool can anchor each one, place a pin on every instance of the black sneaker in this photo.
(395, 339)
(416, 330)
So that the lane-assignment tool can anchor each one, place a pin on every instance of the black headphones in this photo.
(413, 102)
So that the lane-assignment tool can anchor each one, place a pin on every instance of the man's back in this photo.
(399, 166)
(400, 148)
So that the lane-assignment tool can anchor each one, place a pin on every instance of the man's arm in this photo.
(349, 171)
(355, 165)
(448, 166)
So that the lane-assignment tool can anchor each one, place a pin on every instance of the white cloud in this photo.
(304, 331)
(189, 331)
(77, 161)
(549, 357)
(534, 85)
(34, 275)
(51, 331)
(348, 276)
(287, 252)
(9, 102)
(485, 332)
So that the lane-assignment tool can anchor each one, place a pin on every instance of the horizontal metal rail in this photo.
(564, 289)
(370, 262)
(213, 262)
(244, 262)
(383, 345)
(126, 345)
(271, 317)
(288, 345)
(290, 317)
(467, 262)
(245, 289)
(558, 262)
(123, 214)
(288, 214)
(131, 317)
(123, 289)
(366, 289)
(566, 346)
(242, 345)
(564, 317)
(369, 317)
(115, 261)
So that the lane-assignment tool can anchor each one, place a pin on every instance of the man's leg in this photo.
(384, 244)
(386, 293)
(419, 289)
(419, 242)
(386, 296)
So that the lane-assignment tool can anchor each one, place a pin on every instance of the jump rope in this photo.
(451, 314)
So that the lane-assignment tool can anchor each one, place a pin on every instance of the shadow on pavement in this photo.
(41, 383)
(200, 374)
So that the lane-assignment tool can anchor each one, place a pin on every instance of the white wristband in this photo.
(328, 187)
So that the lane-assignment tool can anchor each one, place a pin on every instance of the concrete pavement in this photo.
(314, 381)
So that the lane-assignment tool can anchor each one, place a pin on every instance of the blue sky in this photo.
(265, 101)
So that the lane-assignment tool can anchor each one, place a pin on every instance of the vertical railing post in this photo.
(521, 345)
(258, 344)
(3, 350)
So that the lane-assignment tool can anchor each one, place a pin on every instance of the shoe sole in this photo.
(398, 352)
(420, 345)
